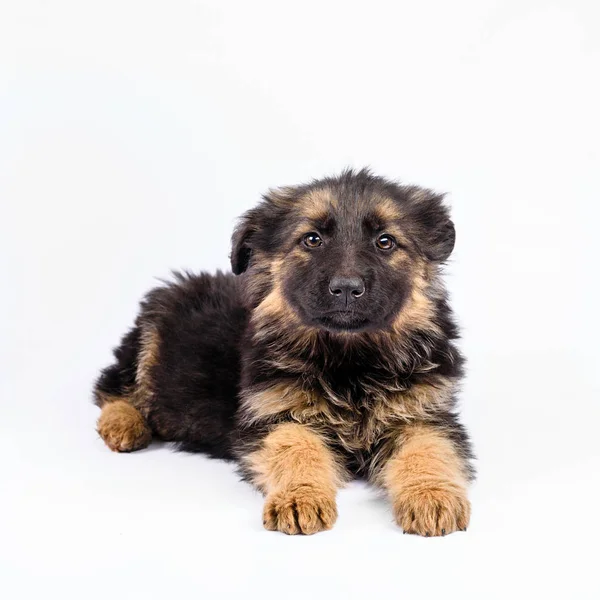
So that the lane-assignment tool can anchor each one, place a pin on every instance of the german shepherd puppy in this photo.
(328, 354)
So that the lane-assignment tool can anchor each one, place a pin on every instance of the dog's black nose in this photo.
(347, 288)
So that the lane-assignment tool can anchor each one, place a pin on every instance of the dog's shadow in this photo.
(157, 445)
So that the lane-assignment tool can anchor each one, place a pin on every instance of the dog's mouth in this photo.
(343, 320)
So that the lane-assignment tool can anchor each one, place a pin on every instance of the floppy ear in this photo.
(441, 241)
(244, 240)
(435, 227)
(241, 250)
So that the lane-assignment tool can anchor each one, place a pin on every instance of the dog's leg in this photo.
(299, 475)
(426, 479)
(124, 392)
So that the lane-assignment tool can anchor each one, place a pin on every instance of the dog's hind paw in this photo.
(123, 428)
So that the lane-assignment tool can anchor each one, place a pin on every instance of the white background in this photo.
(133, 133)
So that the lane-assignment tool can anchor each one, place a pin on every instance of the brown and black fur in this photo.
(305, 384)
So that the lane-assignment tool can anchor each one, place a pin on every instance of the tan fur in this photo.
(317, 204)
(299, 476)
(280, 398)
(275, 315)
(419, 311)
(387, 210)
(427, 482)
(122, 427)
(147, 360)
(400, 259)
(338, 418)
(274, 304)
(314, 205)
(422, 400)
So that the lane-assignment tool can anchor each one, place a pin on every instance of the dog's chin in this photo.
(343, 322)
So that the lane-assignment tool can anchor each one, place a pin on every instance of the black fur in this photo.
(200, 322)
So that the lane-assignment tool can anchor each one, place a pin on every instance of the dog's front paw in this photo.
(431, 511)
(303, 509)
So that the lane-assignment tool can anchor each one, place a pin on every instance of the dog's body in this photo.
(330, 356)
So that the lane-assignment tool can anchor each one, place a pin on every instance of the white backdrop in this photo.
(133, 133)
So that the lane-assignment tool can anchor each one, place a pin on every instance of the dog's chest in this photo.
(357, 418)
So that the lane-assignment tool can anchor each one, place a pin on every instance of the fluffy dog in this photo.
(328, 354)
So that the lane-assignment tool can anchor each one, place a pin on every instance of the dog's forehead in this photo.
(348, 207)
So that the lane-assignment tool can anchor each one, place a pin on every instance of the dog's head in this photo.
(344, 254)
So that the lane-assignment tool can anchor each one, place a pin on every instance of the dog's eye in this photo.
(312, 240)
(385, 242)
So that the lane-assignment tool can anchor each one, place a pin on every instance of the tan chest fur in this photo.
(357, 426)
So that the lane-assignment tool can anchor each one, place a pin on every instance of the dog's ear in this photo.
(436, 229)
(241, 249)
(242, 241)
(441, 241)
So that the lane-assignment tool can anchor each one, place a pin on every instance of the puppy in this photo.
(328, 354)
